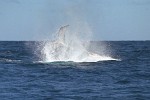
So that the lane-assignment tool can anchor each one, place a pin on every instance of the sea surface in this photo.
(23, 75)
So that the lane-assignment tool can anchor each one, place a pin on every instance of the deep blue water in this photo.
(22, 78)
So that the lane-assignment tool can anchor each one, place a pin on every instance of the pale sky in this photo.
(106, 19)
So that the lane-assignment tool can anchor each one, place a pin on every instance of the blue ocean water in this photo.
(23, 78)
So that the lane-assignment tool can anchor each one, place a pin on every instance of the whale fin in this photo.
(61, 34)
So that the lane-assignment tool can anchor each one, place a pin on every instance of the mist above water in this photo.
(70, 46)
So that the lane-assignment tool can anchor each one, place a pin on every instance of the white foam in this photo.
(70, 48)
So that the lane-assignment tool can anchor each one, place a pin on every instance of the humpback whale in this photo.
(58, 46)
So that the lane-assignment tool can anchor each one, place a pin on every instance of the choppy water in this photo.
(23, 77)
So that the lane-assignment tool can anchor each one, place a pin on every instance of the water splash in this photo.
(68, 47)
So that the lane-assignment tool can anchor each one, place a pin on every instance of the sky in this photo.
(105, 19)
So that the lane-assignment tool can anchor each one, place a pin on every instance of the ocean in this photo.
(23, 75)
